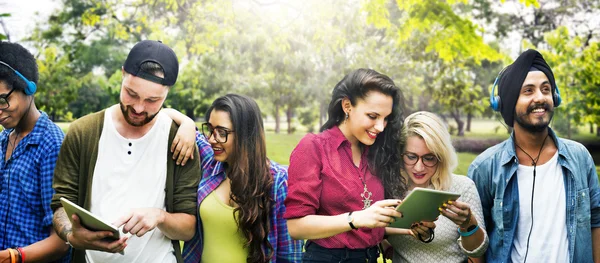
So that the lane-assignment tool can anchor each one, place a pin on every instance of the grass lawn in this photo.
(280, 146)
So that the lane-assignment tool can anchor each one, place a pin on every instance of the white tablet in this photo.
(421, 205)
(88, 220)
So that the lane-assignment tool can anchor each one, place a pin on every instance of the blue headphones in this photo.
(495, 100)
(30, 88)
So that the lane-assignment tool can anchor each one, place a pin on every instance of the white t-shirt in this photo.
(131, 173)
(548, 242)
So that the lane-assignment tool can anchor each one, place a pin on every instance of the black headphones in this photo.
(495, 102)
(30, 88)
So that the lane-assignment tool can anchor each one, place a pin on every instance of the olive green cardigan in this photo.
(75, 169)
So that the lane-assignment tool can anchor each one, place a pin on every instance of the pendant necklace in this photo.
(366, 195)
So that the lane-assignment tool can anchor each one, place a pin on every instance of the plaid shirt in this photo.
(26, 186)
(285, 248)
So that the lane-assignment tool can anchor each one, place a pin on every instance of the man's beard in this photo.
(540, 126)
(126, 110)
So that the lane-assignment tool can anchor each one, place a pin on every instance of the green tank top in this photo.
(221, 238)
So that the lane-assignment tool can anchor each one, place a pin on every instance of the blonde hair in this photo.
(434, 132)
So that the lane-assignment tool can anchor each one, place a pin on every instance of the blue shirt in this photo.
(26, 184)
(494, 173)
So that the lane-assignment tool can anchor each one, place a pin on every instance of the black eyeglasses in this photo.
(4, 100)
(221, 133)
(429, 160)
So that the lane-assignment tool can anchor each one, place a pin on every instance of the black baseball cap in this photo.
(154, 51)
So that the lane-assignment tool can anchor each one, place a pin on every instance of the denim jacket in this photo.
(494, 172)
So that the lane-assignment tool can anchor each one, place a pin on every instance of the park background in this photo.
(289, 54)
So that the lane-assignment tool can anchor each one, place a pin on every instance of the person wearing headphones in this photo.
(539, 193)
(29, 144)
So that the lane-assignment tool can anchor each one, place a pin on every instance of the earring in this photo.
(347, 116)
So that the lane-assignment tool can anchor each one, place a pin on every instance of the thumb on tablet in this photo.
(75, 221)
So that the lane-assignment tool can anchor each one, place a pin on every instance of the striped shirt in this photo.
(285, 248)
(26, 185)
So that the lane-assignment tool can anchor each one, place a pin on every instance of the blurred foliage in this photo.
(288, 55)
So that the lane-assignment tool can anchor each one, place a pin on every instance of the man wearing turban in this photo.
(539, 193)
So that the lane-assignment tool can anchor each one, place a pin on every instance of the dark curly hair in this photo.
(21, 60)
(249, 172)
(384, 157)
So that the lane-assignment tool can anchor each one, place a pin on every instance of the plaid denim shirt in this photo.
(285, 248)
(26, 186)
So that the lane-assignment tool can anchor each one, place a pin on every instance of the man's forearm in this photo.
(178, 226)
(62, 224)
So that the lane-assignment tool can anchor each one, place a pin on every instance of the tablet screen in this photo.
(421, 205)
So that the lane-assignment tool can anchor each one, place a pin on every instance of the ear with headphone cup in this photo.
(556, 96)
(495, 100)
(30, 88)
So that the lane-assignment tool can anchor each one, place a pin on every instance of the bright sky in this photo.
(23, 15)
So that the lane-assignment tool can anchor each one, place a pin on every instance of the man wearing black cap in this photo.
(539, 193)
(117, 164)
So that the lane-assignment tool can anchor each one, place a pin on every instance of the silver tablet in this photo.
(421, 205)
(88, 220)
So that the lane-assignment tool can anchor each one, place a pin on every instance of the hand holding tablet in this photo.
(422, 204)
(87, 224)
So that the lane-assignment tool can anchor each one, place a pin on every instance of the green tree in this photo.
(444, 47)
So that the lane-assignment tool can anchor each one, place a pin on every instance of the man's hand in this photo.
(141, 220)
(82, 238)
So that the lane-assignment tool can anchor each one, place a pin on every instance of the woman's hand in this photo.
(184, 143)
(458, 212)
(421, 228)
(380, 214)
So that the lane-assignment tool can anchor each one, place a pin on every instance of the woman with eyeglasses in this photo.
(241, 194)
(429, 159)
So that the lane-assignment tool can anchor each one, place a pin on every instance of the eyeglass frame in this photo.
(420, 157)
(211, 133)
(5, 98)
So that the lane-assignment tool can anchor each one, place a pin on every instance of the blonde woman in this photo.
(429, 160)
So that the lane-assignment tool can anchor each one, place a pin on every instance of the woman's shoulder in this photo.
(278, 171)
(310, 142)
(461, 183)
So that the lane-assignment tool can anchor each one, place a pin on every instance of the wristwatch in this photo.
(350, 219)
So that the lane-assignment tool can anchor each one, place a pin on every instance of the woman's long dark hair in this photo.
(384, 156)
(248, 170)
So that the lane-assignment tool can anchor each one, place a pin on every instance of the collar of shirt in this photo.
(338, 140)
(33, 138)
(509, 153)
